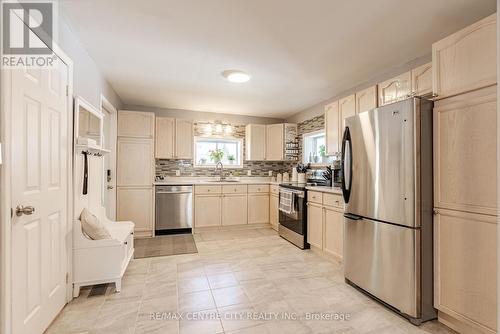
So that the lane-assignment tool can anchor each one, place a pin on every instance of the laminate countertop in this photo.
(194, 182)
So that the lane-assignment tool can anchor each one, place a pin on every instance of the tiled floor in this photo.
(247, 281)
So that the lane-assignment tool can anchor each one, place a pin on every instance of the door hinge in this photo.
(67, 278)
(67, 90)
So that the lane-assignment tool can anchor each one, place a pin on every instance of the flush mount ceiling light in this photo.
(236, 76)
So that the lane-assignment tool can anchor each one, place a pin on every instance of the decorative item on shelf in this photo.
(216, 155)
(322, 153)
(231, 159)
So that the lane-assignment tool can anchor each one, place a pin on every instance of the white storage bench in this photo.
(101, 261)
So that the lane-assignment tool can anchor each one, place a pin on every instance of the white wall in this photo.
(382, 75)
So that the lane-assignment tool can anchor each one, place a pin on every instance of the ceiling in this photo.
(170, 53)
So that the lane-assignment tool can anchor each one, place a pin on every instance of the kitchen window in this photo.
(314, 147)
(208, 151)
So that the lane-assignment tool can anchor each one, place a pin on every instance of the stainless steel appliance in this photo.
(293, 223)
(386, 169)
(173, 209)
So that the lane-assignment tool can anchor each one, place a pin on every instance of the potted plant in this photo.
(216, 155)
(231, 158)
(322, 153)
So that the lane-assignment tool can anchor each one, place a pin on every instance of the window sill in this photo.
(228, 166)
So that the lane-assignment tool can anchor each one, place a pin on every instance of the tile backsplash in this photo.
(168, 167)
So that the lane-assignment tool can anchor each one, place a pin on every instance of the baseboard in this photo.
(230, 227)
(462, 325)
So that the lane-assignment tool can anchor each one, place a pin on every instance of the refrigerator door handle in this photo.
(346, 165)
(352, 217)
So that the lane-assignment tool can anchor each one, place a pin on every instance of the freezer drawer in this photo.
(381, 259)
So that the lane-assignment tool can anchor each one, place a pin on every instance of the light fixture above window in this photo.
(236, 76)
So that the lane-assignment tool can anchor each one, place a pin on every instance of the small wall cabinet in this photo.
(332, 128)
(421, 80)
(275, 142)
(366, 99)
(255, 142)
(174, 138)
(136, 124)
(394, 89)
(466, 60)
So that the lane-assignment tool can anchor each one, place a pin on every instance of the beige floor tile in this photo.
(159, 304)
(222, 280)
(229, 296)
(240, 316)
(196, 301)
(192, 284)
(207, 322)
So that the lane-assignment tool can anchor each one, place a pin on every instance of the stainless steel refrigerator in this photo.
(387, 186)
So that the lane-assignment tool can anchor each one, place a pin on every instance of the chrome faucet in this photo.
(220, 168)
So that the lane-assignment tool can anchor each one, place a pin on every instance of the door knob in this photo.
(109, 187)
(24, 210)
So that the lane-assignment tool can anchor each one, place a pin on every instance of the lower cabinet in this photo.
(136, 205)
(207, 210)
(274, 213)
(259, 208)
(234, 209)
(465, 259)
(315, 225)
(333, 241)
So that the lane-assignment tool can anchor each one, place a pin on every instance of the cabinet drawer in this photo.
(333, 200)
(258, 188)
(275, 189)
(207, 189)
(315, 197)
(234, 189)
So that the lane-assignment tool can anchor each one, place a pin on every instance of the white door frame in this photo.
(5, 191)
(107, 108)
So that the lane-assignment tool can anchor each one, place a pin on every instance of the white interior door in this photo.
(109, 174)
(39, 181)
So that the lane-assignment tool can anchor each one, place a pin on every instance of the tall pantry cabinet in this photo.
(135, 170)
(465, 179)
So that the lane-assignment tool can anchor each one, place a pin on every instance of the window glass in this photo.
(209, 151)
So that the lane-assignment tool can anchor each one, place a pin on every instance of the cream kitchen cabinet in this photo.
(258, 205)
(136, 124)
(136, 204)
(184, 139)
(333, 241)
(207, 210)
(234, 209)
(165, 138)
(315, 225)
(174, 138)
(465, 259)
(466, 60)
(465, 132)
(366, 99)
(135, 162)
(421, 80)
(274, 211)
(347, 108)
(394, 89)
(275, 142)
(332, 128)
(255, 142)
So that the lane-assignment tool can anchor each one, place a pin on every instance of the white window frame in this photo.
(237, 165)
(305, 158)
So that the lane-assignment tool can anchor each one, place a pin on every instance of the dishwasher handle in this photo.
(174, 192)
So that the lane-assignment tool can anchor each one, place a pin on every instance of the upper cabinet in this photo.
(255, 142)
(183, 139)
(174, 138)
(275, 142)
(164, 139)
(347, 108)
(421, 80)
(366, 99)
(136, 124)
(466, 60)
(332, 128)
(394, 89)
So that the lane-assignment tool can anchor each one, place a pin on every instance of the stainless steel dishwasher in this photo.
(173, 209)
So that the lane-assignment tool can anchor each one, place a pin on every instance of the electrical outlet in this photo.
(249, 172)
(177, 172)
